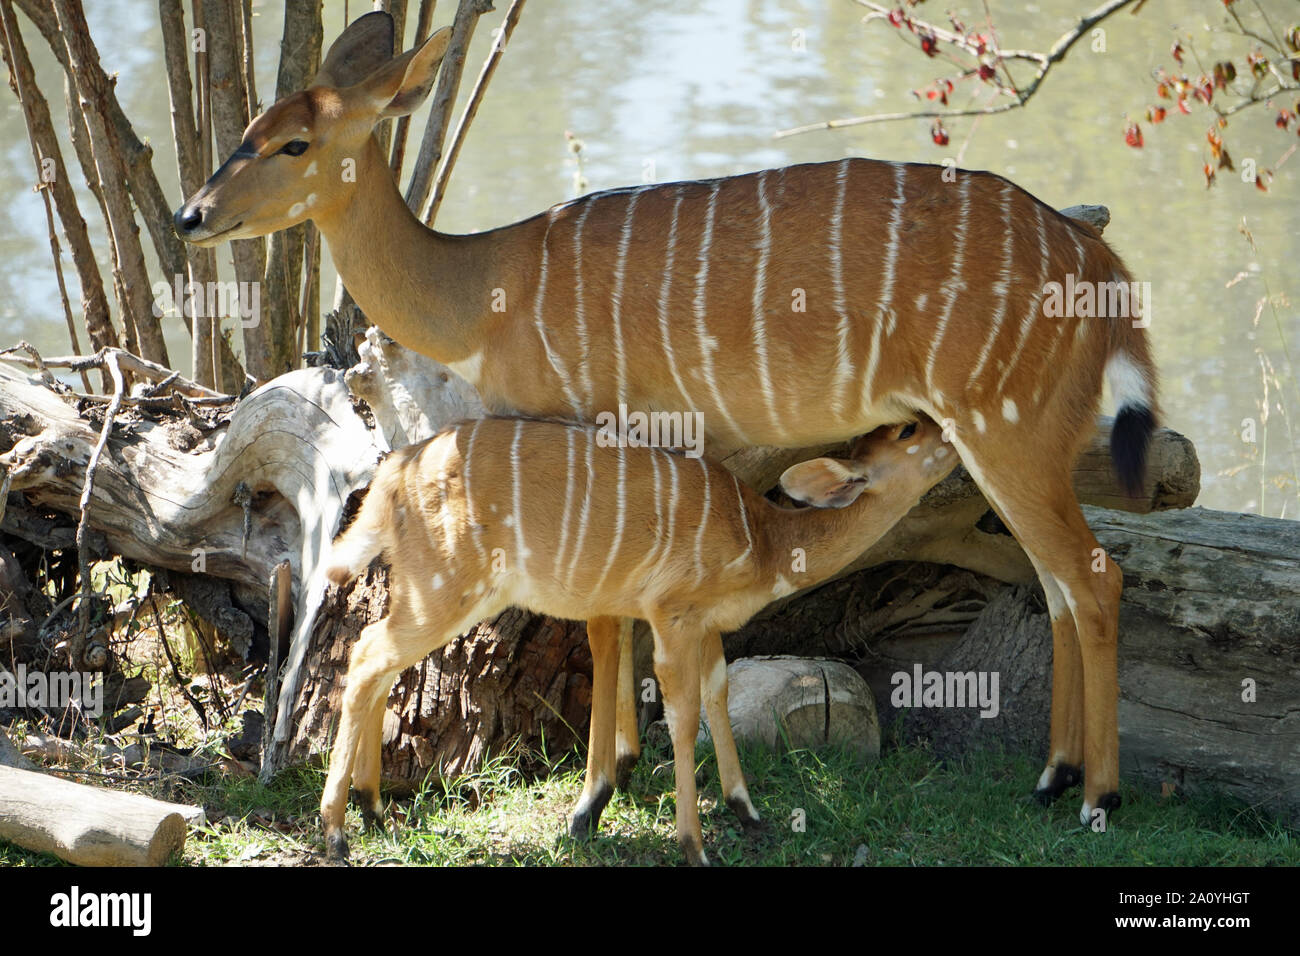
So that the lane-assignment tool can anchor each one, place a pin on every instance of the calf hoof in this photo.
(336, 847)
(743, 809)
(586, 816)
(623, 769)
(694, 852)
(1055, 781)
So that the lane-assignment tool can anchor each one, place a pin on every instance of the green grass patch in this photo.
(819, 808)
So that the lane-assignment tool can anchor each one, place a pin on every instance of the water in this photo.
(681, 91)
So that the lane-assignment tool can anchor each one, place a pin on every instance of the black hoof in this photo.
(1063, 778)
(336, 848)
(586, 816)
(623, 770)
(749, 820)
(1109, 801)
(694, 853)
(371, 818)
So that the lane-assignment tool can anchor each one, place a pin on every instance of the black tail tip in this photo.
(1129, 439)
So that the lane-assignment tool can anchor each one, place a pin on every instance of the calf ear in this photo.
(362, 48)
(823, 483)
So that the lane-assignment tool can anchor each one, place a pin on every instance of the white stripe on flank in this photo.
(616, 302)
(1032, 312)
(517, 510)
(1001, 287)
(881, 311)
(622, 518)
(556, 362)
(670, 258)
(568, 502)
(704, 524)
(707, 343)
(744, 521)
(844, 372)
(580, 315)
(667, 552)
(954, 285)
(476, 528)
(448, 519)
(759, 295)
(1062, 323)
(653, 552)
(586, 513)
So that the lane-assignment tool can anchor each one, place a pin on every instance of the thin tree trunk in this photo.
(106, 148)
(423, 24)
(300, 52)
(444, 99)
(229, 106)
(94, 302)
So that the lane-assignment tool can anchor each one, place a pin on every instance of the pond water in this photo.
(660, 91)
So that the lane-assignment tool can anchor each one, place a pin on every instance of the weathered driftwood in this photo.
(1209, 651)
(86, 825)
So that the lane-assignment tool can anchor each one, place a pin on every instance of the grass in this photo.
(820, 808)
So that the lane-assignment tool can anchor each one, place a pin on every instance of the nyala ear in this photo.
(362, 48)
(823, 483)
(401, 85)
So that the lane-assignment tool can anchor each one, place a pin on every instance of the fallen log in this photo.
(1209, 653)
(89, 826)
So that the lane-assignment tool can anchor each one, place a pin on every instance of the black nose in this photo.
(187, 220)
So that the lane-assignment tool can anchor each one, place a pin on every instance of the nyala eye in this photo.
(907, 432)
(295, 147)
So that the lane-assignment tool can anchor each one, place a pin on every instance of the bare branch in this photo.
(1046, 61)
(444, 99)
(471, 108)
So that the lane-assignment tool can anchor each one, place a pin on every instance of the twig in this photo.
(176, 670)
(126, 360)
(1057, 53)
(471, 108)
(83, 523)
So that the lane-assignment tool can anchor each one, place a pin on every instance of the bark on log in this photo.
(86, 825)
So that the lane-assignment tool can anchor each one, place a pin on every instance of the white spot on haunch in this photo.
(928, 462)
(914, 449)
(297, 209)
(437, 581)
(311, 170)
(311, 200)
(1009, 411)
(979, 421)
(941, 452)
